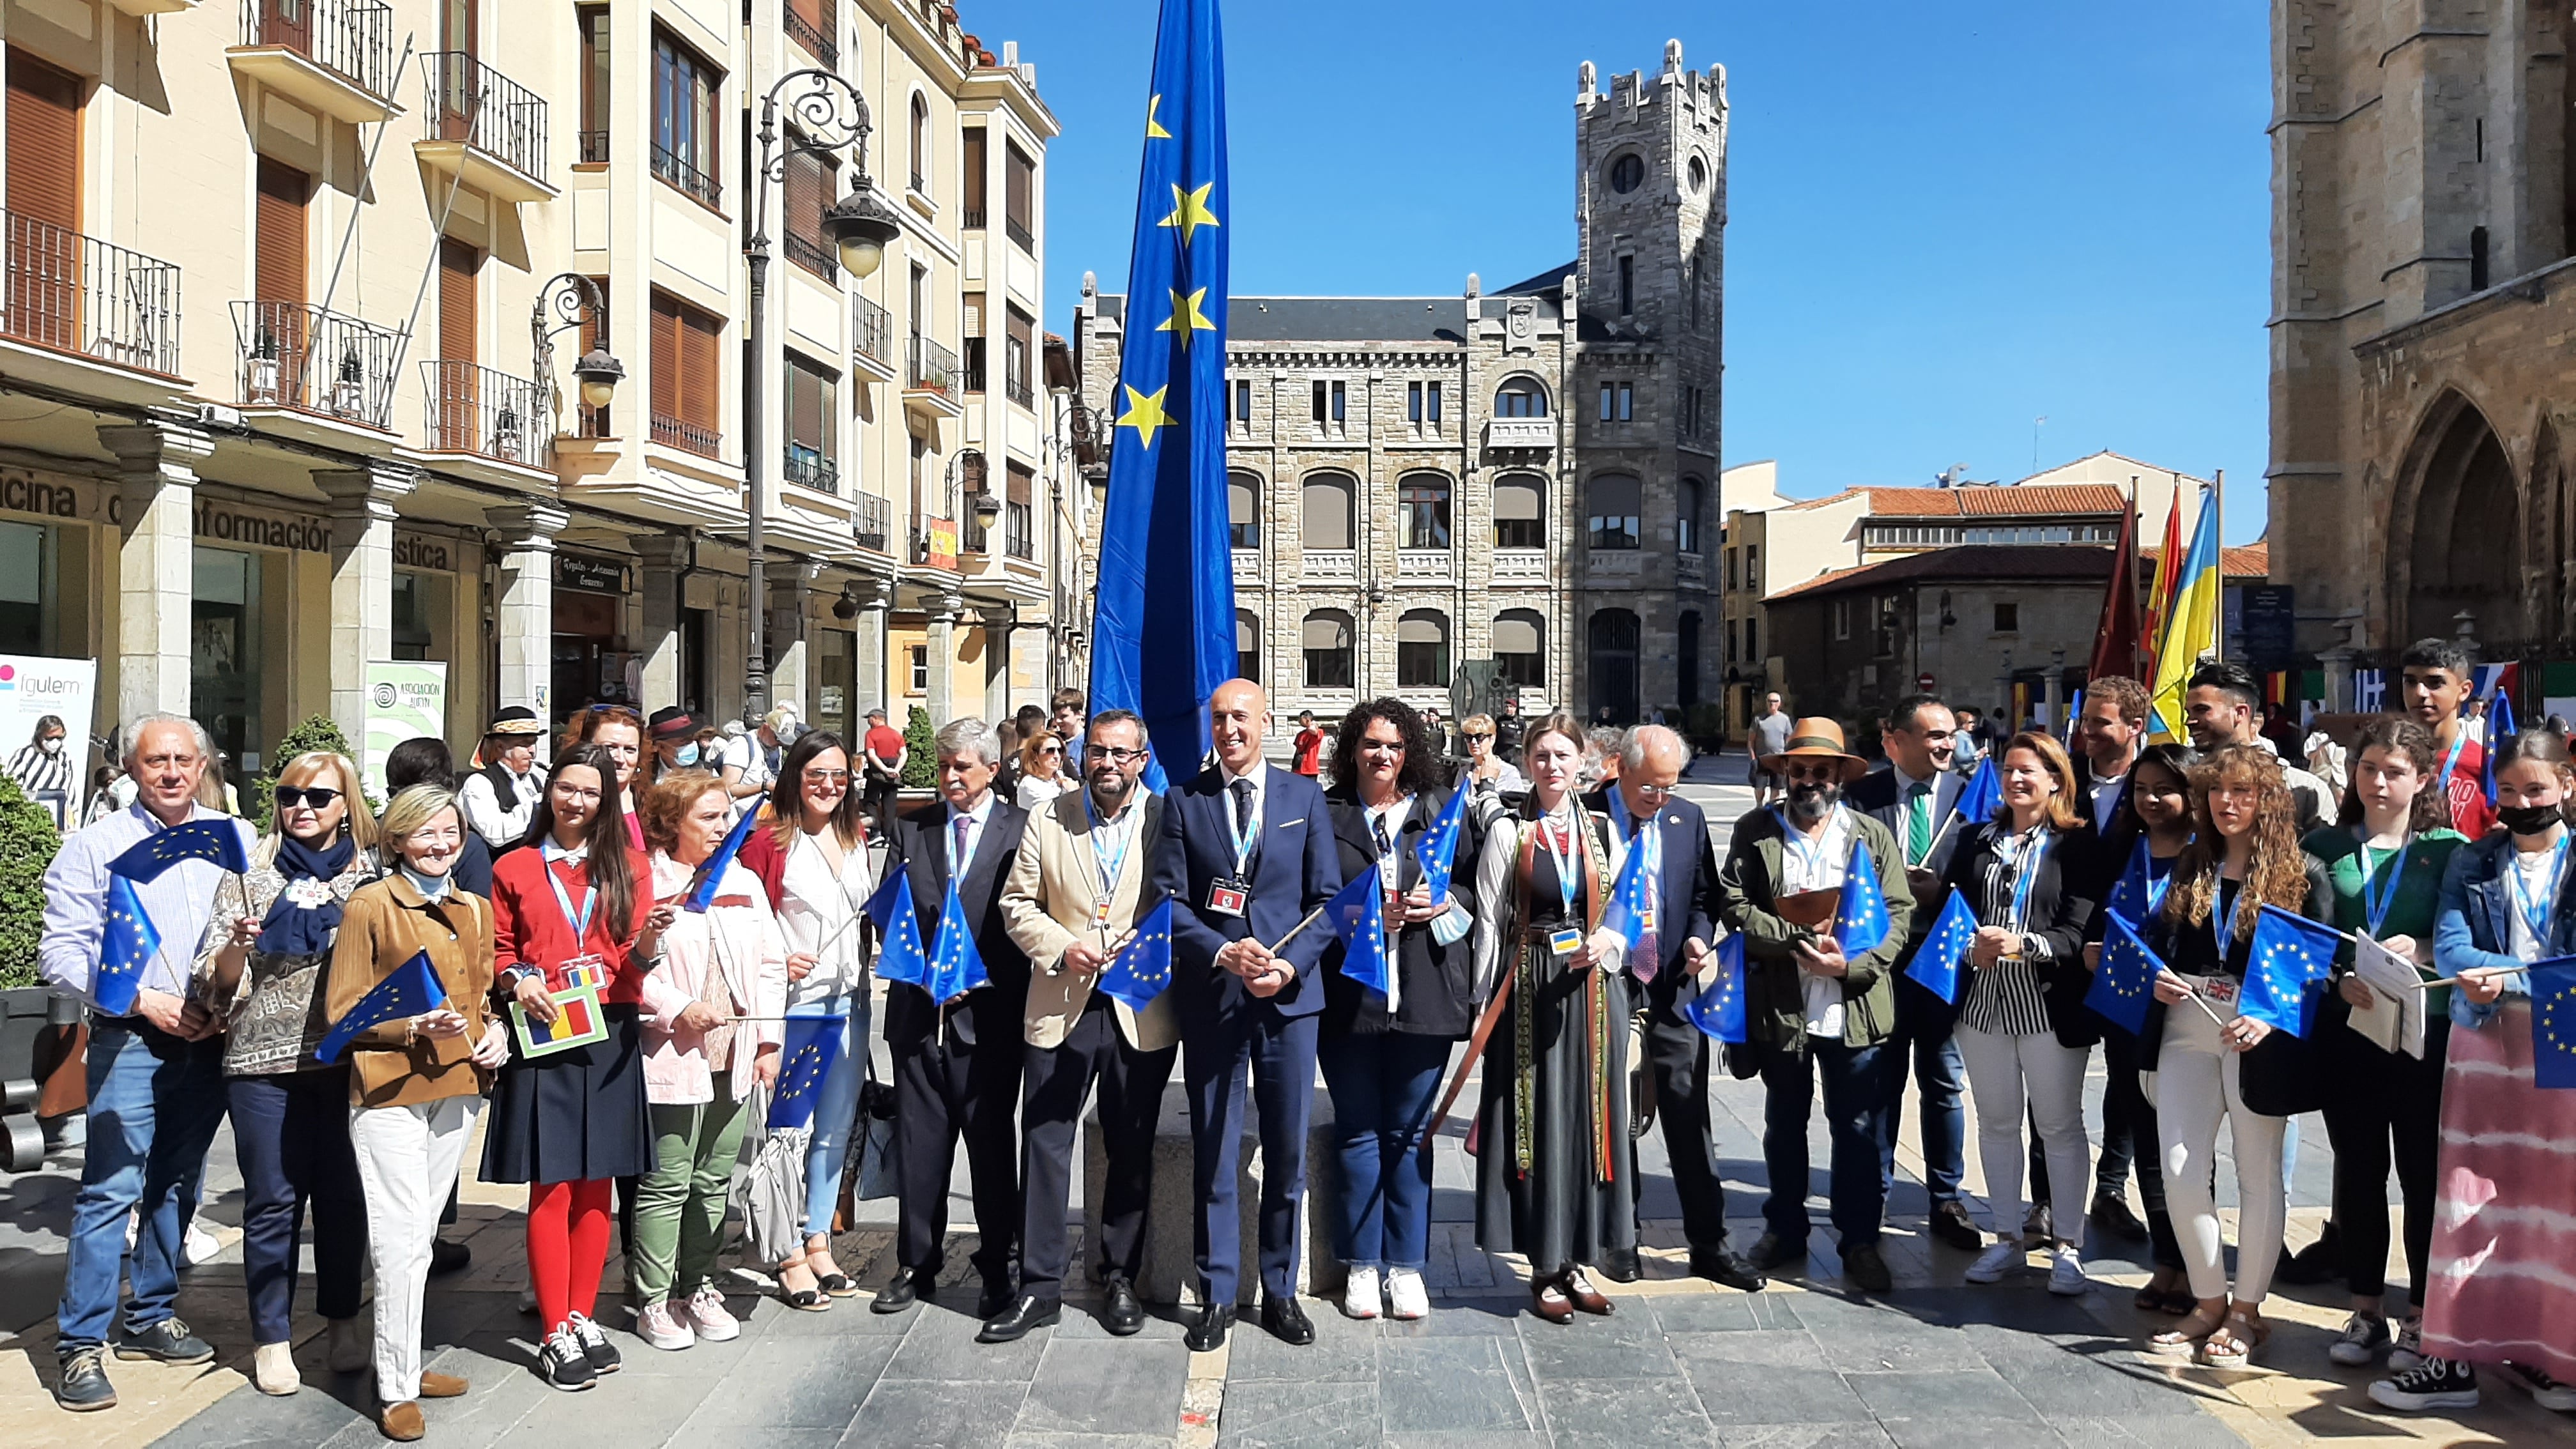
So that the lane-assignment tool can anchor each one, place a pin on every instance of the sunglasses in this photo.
(827, 777)
(316, 796)
(1812, 772)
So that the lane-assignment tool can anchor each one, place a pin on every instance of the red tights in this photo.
(567, 1246)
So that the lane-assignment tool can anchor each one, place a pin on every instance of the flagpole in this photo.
(1475, 1053)
(2218, 556)
(1298, 929)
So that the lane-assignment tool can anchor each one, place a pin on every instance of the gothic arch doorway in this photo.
(2465, 550)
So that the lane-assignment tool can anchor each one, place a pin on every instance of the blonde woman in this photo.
(416, 1085)
(1042, 776)
(261, 966)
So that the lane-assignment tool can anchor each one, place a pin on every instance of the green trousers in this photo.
(680, 1204)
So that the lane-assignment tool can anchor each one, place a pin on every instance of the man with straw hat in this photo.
(499, 797)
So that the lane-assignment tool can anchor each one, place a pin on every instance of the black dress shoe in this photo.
(1029, 1312)
(2112, 1215)
(998, 1296)
(1286, 1321)
(1123, 1314)
(1951, 1224)
(1772, 1252)
(1867, 1270)
(1727, 1269)
(1208, 1334)
(446, 1257)
(1620, 1265)
(900, 1290)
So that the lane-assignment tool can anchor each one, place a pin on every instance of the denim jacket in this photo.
(2473, 928)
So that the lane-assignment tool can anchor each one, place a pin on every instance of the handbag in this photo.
(870, 1169)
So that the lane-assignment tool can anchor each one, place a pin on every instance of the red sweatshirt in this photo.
(528, 925)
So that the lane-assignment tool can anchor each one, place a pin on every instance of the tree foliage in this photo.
(28, 841)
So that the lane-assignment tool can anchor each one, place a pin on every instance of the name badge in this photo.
(1100, 911)
(2219, 989)
(1226, 896)
(576, 973)
(1566, 942)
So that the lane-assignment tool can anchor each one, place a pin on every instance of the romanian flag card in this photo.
(578, 1022)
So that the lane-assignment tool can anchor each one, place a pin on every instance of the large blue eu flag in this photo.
(1163, 629)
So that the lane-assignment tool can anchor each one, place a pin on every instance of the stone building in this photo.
(2423, 306)
(1527, 476)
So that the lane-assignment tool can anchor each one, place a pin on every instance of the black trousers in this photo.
(2387, 1109)
(1055, 1080)
(1677, 1053)
(944, 1091)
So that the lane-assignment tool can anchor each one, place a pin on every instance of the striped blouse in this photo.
(2005, 998)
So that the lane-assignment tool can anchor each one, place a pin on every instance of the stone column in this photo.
(942, 610)
(790, 581)
(527, 613)
(665, 558)
(155, 564)
(362, 581)
(868, 657)
(998, 621)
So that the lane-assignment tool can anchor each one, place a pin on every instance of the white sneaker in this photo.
(1406, 1298)
(1999, 1258)
(2407, 1352)
(198, 1247)
(660, 1327)
(707, 1313)
(2066, 1272)
(352, 1346)
(1360, 1294)
(272, 1369)
(2364, 1335)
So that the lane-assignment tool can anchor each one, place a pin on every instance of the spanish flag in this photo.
(2191, 629)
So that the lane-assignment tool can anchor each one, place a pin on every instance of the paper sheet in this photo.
(2395, 1021)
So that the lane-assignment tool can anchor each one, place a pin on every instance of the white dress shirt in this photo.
(1819, 865)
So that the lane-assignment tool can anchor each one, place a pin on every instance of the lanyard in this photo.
(2221, 913)
(2375, 900)
(1109, 864)
(2535, 914)
(563, 901)
(2025, 869)
(1566, 876)
(1244, 832)
(2451, 761)
(1390, 861)
(2157, 885)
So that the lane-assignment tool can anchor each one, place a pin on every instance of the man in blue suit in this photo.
(1913, 797)
(1246, 854)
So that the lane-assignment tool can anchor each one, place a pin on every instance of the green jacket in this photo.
(1775, 989)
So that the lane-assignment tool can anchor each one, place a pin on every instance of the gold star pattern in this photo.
(1190, 211)
(1145, 414)
(1154, 128)
(1186, 317)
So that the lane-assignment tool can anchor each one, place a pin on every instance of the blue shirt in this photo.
(181, 902)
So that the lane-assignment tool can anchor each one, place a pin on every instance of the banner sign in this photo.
(405, 700)
(33, 686)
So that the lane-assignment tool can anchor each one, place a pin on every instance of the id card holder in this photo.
(578, 972)
(1100, 913)
(1226, 896)
(1566, 942)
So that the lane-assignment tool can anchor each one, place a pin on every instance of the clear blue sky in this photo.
(1944, 221)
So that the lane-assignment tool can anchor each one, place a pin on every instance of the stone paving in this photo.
(1681, 1362)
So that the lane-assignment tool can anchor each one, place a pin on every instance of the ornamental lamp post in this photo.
(567, 300)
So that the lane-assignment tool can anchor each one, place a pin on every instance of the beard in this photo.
(1110, 791)
(1810, 800)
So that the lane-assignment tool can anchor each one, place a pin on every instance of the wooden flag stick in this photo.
(1298, 929)
(1475, 1053)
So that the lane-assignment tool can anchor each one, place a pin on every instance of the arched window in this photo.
(1520, 512)
(1422, 650)
(1520, 648)
(1688, 650)
(1422, 510)
(1243, 510)
(1247, 645)
(1615, 511)
(1328, 650)
(1686, 516)
(1614, 664)
(1521, 397)
(920, 144)
(1327, 511)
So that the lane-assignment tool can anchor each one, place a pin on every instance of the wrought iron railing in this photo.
(808, 467)
(1021, 392)
(1019, 232)
(929, 367)
(812, 254)
(1019, 531)
(688, 178)
(354, 38)
(297, 355)
(75, 293)
(871, 331)
(471, 102)
(688, 437)
(805, 33)
(474, 409)
(874, 523)
(971, 218)
(594, 148)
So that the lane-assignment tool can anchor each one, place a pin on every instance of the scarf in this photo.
(306, 913)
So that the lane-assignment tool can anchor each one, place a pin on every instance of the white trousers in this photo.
(407, 1161)
(2003, 1072)
(2195, 1088)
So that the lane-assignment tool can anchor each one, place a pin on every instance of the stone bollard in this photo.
(1171, 1222)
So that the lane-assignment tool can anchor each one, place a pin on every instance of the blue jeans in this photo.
(154, 1104)
(1383, 1085)
(1852, 1090)
(1922, 1039)
(835, 1110)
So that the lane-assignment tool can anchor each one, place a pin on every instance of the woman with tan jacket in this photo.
(415, 1085)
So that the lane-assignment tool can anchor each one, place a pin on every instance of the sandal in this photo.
(829, 1277)
(2183, 1339)
(810, 1298)
(2235, 1343)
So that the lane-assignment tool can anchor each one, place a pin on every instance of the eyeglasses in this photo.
(1643, 788)
(316, 796)
(1117, 756)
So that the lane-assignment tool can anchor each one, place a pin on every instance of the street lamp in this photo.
(829, 114)
(566, 301)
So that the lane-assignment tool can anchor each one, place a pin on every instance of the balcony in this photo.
(1019, 391)
(77, 294)
(141, 9)
(971, 218)
(1018, 231)
(811, 468)
(671, 432)
(809, 35)
(1520, 436)
(473, 409)
(1247, 566)
(1424, 566)
(305, 358)
(335, 56)
(813, 254)
(1331, 566)
(930, 374)
(874, 523)
(687, 177)
(934, 542)
(871, 336)
(484, 126)
(594, 148)
(1520, 565)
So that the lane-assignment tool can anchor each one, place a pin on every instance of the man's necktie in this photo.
(1650, 952)
(1918, 822)
(1243, 807)
(964, 823)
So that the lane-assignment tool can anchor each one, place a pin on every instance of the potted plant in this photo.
(28, 841)
(263, 366)
(349, 394)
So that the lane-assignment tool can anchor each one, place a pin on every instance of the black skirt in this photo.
(573, 1116)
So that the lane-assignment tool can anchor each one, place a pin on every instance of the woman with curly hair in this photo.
(2212, 1063)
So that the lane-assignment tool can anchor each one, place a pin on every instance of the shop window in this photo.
(226, 640)
(28, 591)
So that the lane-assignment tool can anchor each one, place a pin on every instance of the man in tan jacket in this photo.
(1081, 882)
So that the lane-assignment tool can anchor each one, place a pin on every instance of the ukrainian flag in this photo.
(2191, 629)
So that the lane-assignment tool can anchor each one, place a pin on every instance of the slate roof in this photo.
(1422, 320)
(2030, 562)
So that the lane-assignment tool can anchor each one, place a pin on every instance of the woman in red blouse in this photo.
(571, 1121)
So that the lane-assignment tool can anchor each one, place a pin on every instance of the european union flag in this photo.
(2500, 729)
(1438, 849)
(1142, 967)
(1935, 966)
(2133, 896)
(1357, 914)
(1625, 912)
(2553, 1022)
(2125, 983)
(702, 889)
(2290, 955)
(1984, 795)
(218, 841)
(1163, 625)
(1860, 920)
(130, 944)
(902, 957)
(412, 989)
(807, 1051)
(1719, 1011)
(956, 967)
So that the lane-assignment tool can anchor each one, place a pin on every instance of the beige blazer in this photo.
(1046, 905)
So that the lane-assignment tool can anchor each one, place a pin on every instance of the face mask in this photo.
(51, 747)
(688, 754)
(2529, 819)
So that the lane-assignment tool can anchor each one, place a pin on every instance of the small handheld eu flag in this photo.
(1984, 794)
(217, 841)
(2124, 985)
(1935, 966)
(1438, 848)
(1142, 967)
(2289, 956)
(2500, 728)
(1719, 1011)
(1357, 914)
(412, 989)
(1861, 923)
(902, 957)
(956, 966)
(2553, 1022)
(702, 887)
(130, 943)
(807, 1051)
(2133, 895)
(1626, 912)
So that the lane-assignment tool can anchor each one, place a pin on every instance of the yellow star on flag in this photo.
(1145, 414)
(1186, 317)
(1153, 128)
(1190, 211)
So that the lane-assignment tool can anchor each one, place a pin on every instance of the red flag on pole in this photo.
(2115, 647)
(2159, 604)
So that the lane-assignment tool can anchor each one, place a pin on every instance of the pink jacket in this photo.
(740, 937)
